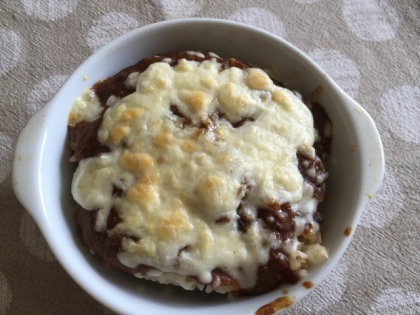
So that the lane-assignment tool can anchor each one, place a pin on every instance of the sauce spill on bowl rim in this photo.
(276, 305)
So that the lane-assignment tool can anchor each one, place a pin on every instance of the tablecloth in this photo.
(371, 48)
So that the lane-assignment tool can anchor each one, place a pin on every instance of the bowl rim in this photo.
(34, 135)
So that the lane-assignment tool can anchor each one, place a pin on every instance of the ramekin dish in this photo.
(42, 174)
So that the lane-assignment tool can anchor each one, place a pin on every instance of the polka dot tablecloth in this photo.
(371, 48)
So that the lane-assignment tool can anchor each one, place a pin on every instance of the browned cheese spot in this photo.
(284, 292)
(222, 220)
(347, 231)
(308, 284)
(276, 305)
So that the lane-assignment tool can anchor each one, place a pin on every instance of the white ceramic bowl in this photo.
(42, 173)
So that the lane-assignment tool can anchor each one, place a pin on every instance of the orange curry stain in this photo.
(308, 284)
(276, 305)
(347, 231)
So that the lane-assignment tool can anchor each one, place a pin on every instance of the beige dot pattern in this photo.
(341, 68)
(5, 294)
(10, 46)
(261, 18)
(6, 156)
(396, 301)
(42, 92)
(400, 109)
(371, 20)
(386, 204)
(109, 27)
(328, 293)
(179, 9)
(49, 10)
(33, 239)
(370, 48)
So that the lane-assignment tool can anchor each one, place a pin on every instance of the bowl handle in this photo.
(370, 148)
(26, 164)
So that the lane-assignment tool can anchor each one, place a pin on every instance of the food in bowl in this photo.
(42, 174)
(201, 172)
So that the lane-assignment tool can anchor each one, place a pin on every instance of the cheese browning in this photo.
(188, 148)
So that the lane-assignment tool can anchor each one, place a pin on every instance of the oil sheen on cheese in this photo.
(234, 136)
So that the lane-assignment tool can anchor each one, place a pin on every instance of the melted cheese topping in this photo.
(86, 107)
(182, 171)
